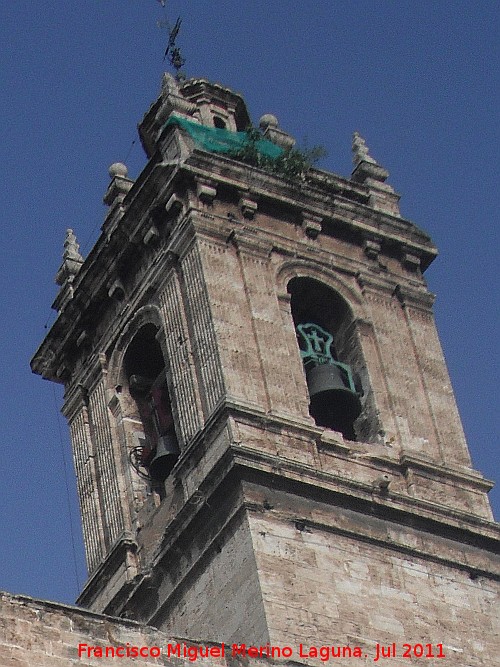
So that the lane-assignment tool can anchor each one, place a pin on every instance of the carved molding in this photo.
(371, 248)
(311, 224)
(206, 191)
(415, 298)
(248, 208)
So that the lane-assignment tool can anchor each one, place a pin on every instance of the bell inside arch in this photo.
(167, 452)
(334, 397)
(334, 402)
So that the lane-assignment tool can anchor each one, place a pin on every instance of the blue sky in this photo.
(419, 80)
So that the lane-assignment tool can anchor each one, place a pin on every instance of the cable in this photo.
(129, 151)
(70, 513)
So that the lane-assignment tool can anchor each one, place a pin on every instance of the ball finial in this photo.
(268, 120)
(118, 169)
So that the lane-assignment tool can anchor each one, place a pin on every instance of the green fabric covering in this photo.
(217, 140)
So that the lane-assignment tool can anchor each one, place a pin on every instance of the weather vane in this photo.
(172, 51)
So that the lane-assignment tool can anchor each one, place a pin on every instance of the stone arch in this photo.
(332, 279)
(138, 373)
(146, 315)
(324, 298)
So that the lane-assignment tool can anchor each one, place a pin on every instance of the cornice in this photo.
(415, 298)
(321, 206)
(316, 202)
(407, 510)
(464, 477)
(352, 509)
(97, 278)
(354, 453)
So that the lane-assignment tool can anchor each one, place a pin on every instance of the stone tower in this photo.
(265, 437)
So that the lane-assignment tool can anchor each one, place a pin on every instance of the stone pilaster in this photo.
(401, 375)
(84, 459)
(181, 360)
(106, 465)
(434, 377)
(205, 348)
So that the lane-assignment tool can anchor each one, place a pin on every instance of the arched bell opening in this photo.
(145, 373)
(322, 320)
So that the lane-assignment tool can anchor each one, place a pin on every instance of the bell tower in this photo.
(265, 438)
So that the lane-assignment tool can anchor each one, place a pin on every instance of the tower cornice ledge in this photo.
(161, 180)
(340, 202)
(262, 485)
(349, 466)
(365, 462)
(350, 492)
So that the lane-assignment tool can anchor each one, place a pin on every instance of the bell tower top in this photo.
(199, 100)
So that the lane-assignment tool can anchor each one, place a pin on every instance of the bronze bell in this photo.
(334, 402)
(167, 452)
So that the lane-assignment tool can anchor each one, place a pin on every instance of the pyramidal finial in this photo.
(72, 260)
(360, 150)
(369, 172)
(71, 247)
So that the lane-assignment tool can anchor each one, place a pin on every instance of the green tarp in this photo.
(217, 140)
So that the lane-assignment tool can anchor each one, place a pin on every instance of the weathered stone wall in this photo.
(334, 578)
(222, 600)
(405, 368)
(408, 396)
(339, 577)
(36, 633)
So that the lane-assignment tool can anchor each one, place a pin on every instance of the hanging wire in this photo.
(129, 151)
(68, 497)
